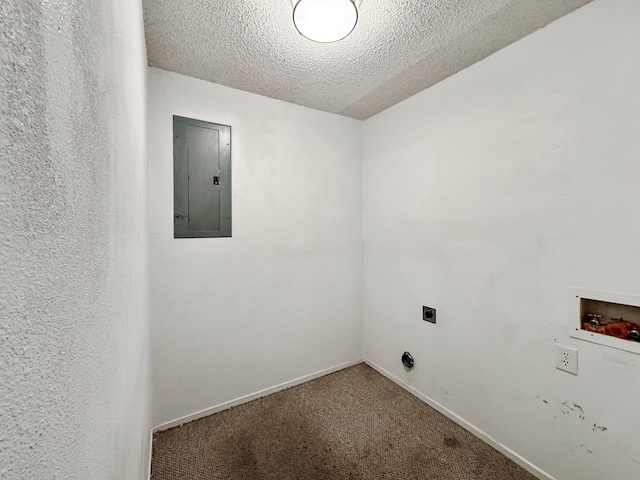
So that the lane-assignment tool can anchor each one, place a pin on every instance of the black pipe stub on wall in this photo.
(407, 360)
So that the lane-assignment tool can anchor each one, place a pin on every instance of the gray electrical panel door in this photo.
(201, 179)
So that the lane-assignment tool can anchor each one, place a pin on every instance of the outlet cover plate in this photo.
(429, 314)
(567, 359)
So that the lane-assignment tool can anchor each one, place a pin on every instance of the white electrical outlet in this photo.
(567, 359)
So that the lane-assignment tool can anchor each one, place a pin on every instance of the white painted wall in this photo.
(74, 369)
(486, 196)
(280, 299)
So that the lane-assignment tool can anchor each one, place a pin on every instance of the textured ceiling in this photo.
(398, 48)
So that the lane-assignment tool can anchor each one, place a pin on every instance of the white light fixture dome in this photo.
(325, 21)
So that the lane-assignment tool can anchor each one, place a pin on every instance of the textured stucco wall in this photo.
(504, 185)
(74, 389)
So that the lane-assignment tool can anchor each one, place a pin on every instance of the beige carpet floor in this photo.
(353, 424)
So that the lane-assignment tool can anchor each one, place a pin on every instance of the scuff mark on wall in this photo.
(573, 408)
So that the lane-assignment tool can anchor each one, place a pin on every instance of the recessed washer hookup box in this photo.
(607, 318)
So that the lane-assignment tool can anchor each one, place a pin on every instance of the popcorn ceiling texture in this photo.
(74, 393)
(397, 49)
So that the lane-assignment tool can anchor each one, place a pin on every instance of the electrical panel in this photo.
(201, 179)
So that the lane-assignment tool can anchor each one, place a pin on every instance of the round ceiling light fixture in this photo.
(325, 21)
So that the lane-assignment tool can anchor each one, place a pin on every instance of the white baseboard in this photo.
(528, 466)
(247, 398)
(150, 453)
